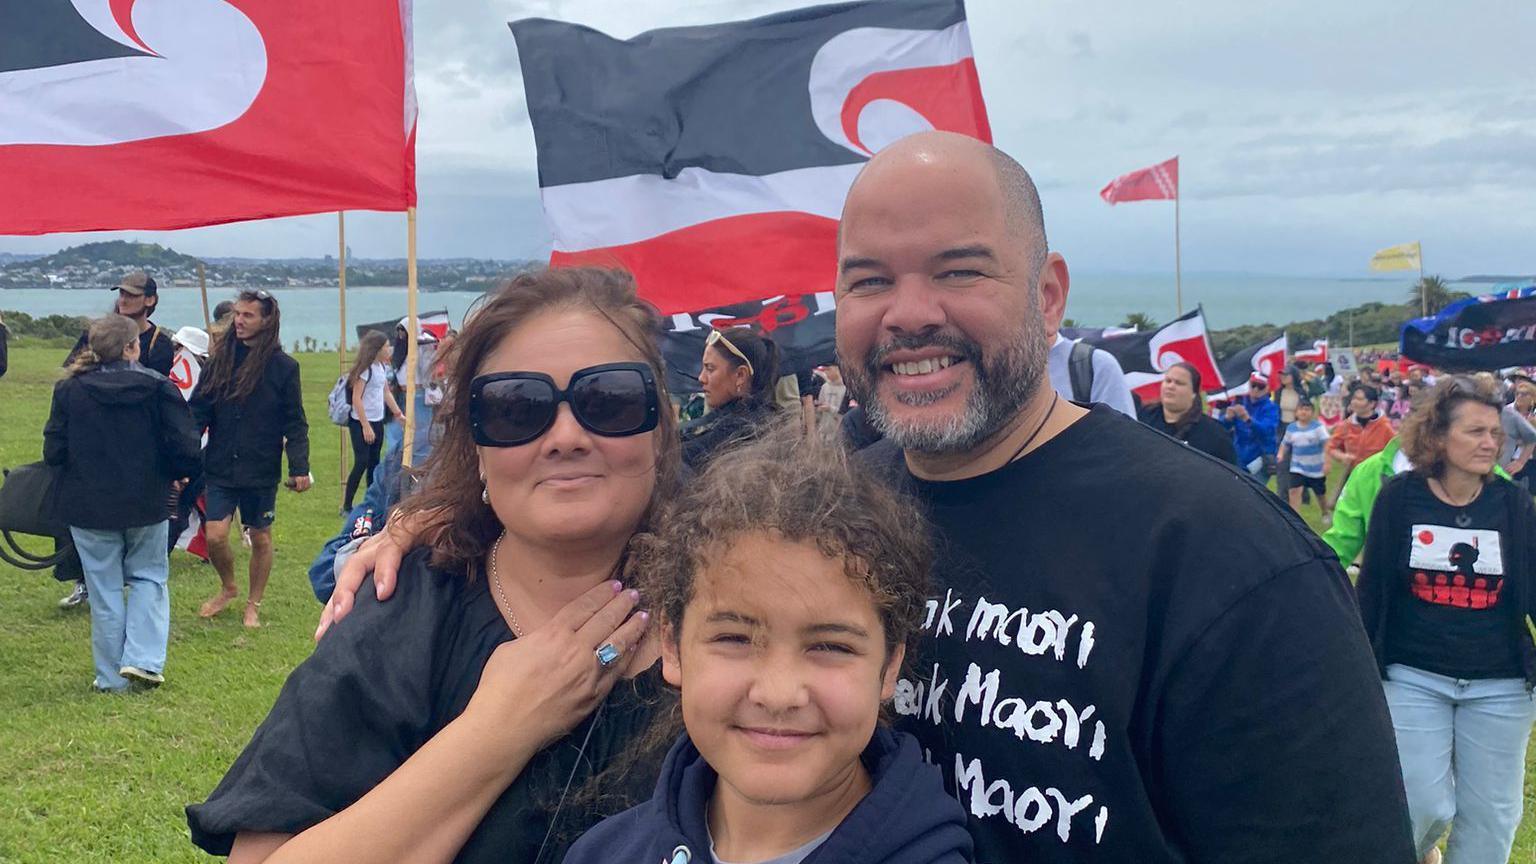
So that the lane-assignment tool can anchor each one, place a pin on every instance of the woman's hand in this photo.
(544, 683)
(368, 433)
(380, 555)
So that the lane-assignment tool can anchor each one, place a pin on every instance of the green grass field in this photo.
(87, 777)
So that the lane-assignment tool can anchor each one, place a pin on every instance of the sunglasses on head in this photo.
(717, 337)
(508, 409)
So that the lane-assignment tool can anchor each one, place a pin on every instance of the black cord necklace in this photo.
(1055, 398)
(1463, 519)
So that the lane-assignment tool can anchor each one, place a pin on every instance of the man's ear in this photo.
(1055, 284)
(671, 664)
(891, 672)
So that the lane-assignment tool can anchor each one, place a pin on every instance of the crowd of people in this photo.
(946, 601)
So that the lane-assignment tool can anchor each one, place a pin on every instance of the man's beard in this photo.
(1003, 384)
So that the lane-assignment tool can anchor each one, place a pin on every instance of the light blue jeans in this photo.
(1462, 745)
(132, 631)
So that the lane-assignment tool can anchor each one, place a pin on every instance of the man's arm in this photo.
(1275, 734)
(295, 426)
(1109, 384)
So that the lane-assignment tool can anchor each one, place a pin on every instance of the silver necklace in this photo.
(500, 592)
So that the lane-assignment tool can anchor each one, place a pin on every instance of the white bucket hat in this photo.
(194, 339)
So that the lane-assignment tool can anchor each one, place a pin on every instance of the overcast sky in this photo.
(1309, 133)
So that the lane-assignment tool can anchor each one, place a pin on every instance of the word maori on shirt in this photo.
(1034, 633)
(982, 698)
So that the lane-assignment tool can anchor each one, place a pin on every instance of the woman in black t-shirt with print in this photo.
(1181, 415)
(1445, 590)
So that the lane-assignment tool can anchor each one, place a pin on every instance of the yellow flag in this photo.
(1404, 257)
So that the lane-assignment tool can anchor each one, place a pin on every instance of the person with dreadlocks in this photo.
(250, 402)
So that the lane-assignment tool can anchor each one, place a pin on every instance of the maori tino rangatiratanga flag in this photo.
(1145, 356)
(712, 162)
(175, 113)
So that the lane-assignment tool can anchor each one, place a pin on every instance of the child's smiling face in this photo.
(782, 663)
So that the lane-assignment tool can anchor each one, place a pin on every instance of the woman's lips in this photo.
(570, 481)
(774, 739)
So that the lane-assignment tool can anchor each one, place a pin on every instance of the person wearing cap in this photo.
(191, 354)
(1252, 419)
(137, 297)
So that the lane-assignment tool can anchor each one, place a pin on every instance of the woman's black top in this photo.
(380, 684)
(1202, 433)
(733, 422)
(1446, 589)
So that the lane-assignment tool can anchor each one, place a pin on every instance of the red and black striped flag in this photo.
(712, 162)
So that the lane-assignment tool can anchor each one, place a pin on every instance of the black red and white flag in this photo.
(802, 326)
(712, 162)
(1145, 356)
(173, 113)
(1318, 353)
(1265, 359)
(434, 325)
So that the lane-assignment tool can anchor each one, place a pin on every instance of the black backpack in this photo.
(1080, 370)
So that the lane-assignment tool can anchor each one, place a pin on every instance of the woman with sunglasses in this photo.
(514, 661)
(739, 370)
(1445, 591)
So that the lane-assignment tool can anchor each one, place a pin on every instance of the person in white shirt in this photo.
(369, 382)
(1107, 381)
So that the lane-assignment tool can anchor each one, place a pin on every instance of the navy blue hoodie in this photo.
(906, 818)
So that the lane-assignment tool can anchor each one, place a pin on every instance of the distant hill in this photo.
(114, 253)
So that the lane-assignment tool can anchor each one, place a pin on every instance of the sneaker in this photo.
(142, 676)
(77, 595)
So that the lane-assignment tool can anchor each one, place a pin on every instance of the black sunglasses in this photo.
(508, 409)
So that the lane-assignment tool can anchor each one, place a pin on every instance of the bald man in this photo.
(1132, 654)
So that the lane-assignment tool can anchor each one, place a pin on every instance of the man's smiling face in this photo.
(939, 332)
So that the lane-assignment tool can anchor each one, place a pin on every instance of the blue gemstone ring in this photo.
(607, 655)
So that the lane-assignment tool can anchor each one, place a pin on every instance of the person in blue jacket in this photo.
(789, 588)
(368, 518)
(1252, 420)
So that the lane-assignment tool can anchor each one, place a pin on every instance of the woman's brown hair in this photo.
(367, 352)
(1424, 429)
(780, 485)
(454, 521)
(763, 354)
(106, 341)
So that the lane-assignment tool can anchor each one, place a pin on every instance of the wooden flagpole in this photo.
(1178, 268)
(341, 343)
(410, 336)
(202, 287)
(1418, 245)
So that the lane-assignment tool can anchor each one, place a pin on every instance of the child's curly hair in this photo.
(782, 485)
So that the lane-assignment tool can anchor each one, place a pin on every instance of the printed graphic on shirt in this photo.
(1458, 567)
(985, 698)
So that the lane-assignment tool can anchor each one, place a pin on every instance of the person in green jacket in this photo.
(1352, 513)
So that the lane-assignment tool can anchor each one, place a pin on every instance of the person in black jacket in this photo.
(124, 439)
(738, 376)
(1179, 414)
(1445, 590)
(137, 297)
(250, 402)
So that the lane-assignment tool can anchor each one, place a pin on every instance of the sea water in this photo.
(1096, 299)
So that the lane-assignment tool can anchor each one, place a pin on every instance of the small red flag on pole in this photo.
(1158, 183)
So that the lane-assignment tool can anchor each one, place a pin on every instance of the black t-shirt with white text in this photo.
(1136, 654)
(1454, 617)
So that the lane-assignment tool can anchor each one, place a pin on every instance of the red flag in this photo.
(1158, 183)
(116, 114)
(712, 162)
